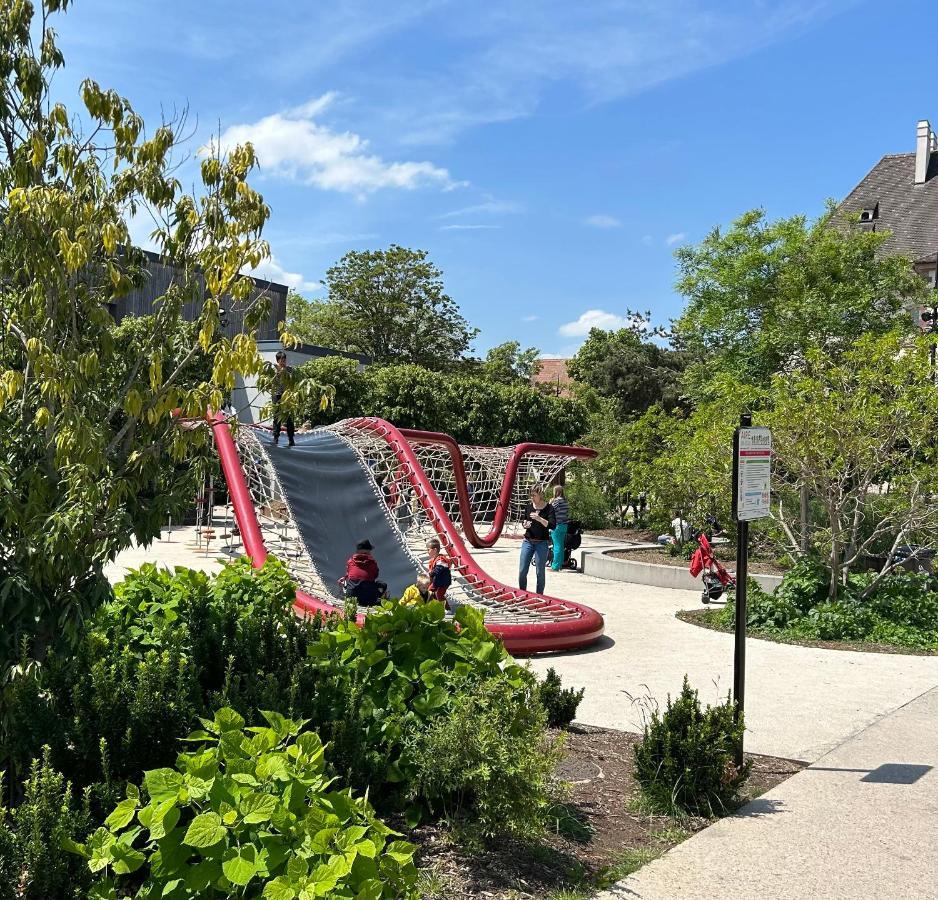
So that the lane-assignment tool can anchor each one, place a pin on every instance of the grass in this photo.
(710, 618)
(626, 863)
(432, 884)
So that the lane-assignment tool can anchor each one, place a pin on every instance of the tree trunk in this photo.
(803, 519)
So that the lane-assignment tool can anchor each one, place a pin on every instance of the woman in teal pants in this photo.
(559, 534)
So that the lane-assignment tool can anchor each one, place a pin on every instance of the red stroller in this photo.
(715, 577)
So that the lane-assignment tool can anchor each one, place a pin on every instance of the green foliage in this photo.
(902, 610)
(89, 435)
(486, 765)
(33, 863)
(589, 503)
(684, 762)
(630, 370)
(168, 647)
(404, 667)
(389, 305)
(470, 407)
(559, 703)
(507, 363)
(762, 294)
(846, 426)
(248, 811)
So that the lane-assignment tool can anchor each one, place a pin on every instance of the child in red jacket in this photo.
(361, 576)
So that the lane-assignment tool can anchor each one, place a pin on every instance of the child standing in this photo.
(438, 570)
(559, 533)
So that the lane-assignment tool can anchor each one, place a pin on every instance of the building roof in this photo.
(906, 209)
(553, 372)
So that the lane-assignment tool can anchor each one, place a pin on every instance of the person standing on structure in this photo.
(281, 380)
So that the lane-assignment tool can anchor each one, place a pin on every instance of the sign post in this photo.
(752, 476)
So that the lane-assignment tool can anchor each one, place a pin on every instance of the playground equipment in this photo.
(309, 504)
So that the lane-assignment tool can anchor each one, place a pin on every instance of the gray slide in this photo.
(334, 507)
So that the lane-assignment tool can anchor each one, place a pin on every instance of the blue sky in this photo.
(549, 155)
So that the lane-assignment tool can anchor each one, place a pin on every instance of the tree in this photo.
(471, 408)
(389, 305)
(858, 433)
(632, 371)
(507, 363)
(91, 450)
(762, 294)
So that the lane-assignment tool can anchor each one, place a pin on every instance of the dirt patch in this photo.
(597, 835)
(707, 618)
(663, 558)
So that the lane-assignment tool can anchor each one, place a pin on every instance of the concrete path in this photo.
(862, 822)
(801, 702)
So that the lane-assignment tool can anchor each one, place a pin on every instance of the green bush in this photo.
(903, 609)
(684, 762)
(33, 863)
(559, 703)
(486, 765)
(379, 683)
(247, 812)
(589, 503)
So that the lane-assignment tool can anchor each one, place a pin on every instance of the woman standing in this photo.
(559, 534)
(538, 520)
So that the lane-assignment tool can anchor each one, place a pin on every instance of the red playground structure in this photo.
(308, 505)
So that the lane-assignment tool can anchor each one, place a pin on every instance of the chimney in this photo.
(926, 143)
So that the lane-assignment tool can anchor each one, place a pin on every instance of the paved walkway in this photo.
(862, 822)
(801, 702)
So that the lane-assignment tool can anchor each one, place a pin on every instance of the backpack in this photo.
(440, 576)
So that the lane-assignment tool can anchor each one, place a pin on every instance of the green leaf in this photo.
(163, 784)
(370, 890)
(228, 720)
(123, 814)
(279, 889)
(100, 847)
(205, 830)
(257, 808)
(240, 865)
(126, 859)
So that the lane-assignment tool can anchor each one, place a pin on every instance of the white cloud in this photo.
(530, 318)
(493, 207)
(676, 238)
(593, 318)
(293, 145)
(600, 220)
(271, 270)
(469, 227)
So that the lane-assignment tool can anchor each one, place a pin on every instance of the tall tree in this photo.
(507, 363)
(389, 305)
(629, 369)
(762, 294)
(88, 431)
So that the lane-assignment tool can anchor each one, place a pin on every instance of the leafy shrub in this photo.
(559, 703)
(588, 502)
(903, 610)
(379, 683)
(33, 863)
(486, 763)
(684, 761)
(248, 812)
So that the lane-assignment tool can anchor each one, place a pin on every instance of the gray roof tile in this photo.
(907, 209)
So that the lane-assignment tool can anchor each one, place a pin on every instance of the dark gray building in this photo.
(159, 277)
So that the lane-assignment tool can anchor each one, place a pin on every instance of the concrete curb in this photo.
(599, 564)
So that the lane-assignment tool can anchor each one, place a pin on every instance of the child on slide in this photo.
(438, 570)
(361, 576)
(417, 593)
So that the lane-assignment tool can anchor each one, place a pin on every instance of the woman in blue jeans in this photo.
(538, 520)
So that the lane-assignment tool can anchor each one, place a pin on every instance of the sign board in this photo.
(752, 473)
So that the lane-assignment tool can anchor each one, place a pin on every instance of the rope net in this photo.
(404, 500)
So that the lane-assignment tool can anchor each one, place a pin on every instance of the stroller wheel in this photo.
(572, 564)
(705, 597)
